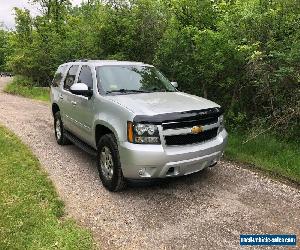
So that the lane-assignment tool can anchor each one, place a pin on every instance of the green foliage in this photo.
(30, 210)
(268, 153)
(23, 86)
(4, 48)
(131, 31)
(242, 54)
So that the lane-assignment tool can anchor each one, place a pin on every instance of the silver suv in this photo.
(135, 121)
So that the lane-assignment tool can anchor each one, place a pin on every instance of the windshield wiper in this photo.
(127, 91)
(155, 89)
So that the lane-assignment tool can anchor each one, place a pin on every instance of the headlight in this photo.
(141, 133)
(221, 122)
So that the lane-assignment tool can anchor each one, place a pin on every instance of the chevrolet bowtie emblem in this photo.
(197, 129)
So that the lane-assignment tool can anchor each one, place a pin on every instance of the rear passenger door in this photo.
(67, 99)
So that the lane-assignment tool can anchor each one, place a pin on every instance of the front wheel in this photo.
(59, 130)
(109, 165)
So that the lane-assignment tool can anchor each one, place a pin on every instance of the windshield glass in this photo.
(132, 78)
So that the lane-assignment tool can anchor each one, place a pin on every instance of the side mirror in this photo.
(81, 89)
(175, 84)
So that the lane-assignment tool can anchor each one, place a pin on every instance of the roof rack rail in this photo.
(83, 60)
(79, 60)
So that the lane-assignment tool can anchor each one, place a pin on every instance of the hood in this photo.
(161, 102)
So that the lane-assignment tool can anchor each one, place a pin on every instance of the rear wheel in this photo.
(109, 165)
(59, 130)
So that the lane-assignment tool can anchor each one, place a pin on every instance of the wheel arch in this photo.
(102, 128)
(55, 108)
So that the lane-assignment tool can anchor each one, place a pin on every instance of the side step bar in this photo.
(79, 143)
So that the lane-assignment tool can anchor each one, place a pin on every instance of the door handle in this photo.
(74, 103)
(61, 97)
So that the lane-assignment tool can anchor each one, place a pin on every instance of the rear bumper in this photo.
(156, 161)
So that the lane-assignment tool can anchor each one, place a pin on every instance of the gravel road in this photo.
(207, 210)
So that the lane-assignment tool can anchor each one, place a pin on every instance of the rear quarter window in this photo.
(59, 75)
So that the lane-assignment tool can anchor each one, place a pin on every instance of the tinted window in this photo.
(70, 78)
(58, 76)
(86, 77)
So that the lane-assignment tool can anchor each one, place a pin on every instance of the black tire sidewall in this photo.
(57, 116)
(110, 142)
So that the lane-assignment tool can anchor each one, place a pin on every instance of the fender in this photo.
(107, 125)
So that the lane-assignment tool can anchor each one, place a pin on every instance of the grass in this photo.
(22, 86)
(30, 210)
(266, 153)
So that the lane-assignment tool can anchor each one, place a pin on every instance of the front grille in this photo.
(191, 138)
(189, 124)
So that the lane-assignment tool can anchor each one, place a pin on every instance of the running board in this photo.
(79, 143)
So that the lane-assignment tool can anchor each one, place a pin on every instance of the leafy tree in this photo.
(3, 48)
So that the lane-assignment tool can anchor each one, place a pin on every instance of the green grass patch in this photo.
(267, 153)
(23, 86)
(30, 209)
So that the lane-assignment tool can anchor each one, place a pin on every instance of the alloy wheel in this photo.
(106, 163)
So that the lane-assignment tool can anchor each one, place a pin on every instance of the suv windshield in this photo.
(132, 79)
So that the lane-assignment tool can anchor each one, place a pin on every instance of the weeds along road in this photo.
(207, 210)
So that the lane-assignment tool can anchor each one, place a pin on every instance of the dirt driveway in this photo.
(207, 210)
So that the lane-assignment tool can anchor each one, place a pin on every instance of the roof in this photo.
(106, 63)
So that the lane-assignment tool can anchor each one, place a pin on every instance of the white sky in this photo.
(6, 10)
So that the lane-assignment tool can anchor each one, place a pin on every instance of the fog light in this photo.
(142, 171)
(146, 172)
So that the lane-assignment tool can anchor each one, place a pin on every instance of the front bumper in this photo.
(158, 161)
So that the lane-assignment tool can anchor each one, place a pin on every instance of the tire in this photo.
(109, 165)
(59, 130)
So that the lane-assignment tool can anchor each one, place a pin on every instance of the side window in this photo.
(86, 76)
(58, 76)
(70, 78)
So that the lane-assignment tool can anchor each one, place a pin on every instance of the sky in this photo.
(6, 10)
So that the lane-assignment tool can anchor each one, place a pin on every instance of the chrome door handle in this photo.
(61, 97)
(74, 103)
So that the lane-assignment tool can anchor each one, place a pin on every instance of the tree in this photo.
(4, 48)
